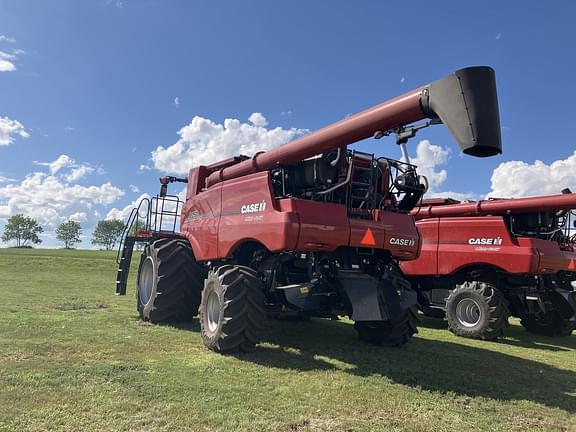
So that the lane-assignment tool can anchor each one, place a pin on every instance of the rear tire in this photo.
(232, 313)
(552, 325)
(477, 310)
(398, 330)
(169, 282)
(392, 333)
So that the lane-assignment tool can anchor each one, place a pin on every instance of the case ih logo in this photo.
(485, 241)
(253, 208)
(402, 242)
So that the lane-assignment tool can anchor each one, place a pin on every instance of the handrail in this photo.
(156, 216)
(134, 216)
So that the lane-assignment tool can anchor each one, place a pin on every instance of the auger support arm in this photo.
(165, 181)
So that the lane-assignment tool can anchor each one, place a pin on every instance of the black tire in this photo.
(232, 313)
(391, 333)
(398, 330)
(552, 325)
(169, 283)
(477, 310)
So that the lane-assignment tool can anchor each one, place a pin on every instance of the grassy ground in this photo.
(73, 357)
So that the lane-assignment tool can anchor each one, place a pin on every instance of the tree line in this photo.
(25, 231)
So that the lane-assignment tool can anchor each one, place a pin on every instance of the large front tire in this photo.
(232, 313)
(552, 325)
(392, 333)
(403, 324)
(477, 310)
(169, 282)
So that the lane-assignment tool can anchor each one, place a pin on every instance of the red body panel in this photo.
(453, 243)
(249, 212)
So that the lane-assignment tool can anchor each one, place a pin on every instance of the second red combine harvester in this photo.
(308, 229)
(484, 261)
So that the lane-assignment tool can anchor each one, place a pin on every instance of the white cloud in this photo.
(204, 141)
(7, 62)
(6, 179)
(63, 161)
(78, 173)
(509, 179)
(176, 102)
(257, 119)
(76, 170)
(123, 213)
(428, 157)
(54, 197)
(117, 3)
(518, 178)
(8, 59)
(78, 217)
(134, 188)
(51, 201)
(9, 129)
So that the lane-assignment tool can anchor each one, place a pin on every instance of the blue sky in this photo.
(97, 81)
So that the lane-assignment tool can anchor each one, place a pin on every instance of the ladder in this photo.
(151, 220)
(361, 196)
(124, 265)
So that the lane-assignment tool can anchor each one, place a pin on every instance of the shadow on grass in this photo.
(437, 366)
(514, 336)
(433, 365)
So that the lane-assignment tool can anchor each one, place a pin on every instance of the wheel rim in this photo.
(468, 312)
(146, 281)
(213, 311)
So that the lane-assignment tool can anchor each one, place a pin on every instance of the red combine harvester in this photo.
(484, 261)
(308, 229)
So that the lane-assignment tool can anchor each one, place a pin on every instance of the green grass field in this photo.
(73, 357)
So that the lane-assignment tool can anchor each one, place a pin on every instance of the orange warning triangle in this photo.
(368, 239)
(571, 264)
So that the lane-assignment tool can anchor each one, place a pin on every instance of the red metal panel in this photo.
(199, 223)
(552, 258)
(323, 226)
(249, 213)
(485, 240)
(400, 234)
(427, 262)
(482, 241)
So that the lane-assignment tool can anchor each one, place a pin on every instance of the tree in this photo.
(69, 233)
(107, 233)
(23, 229)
